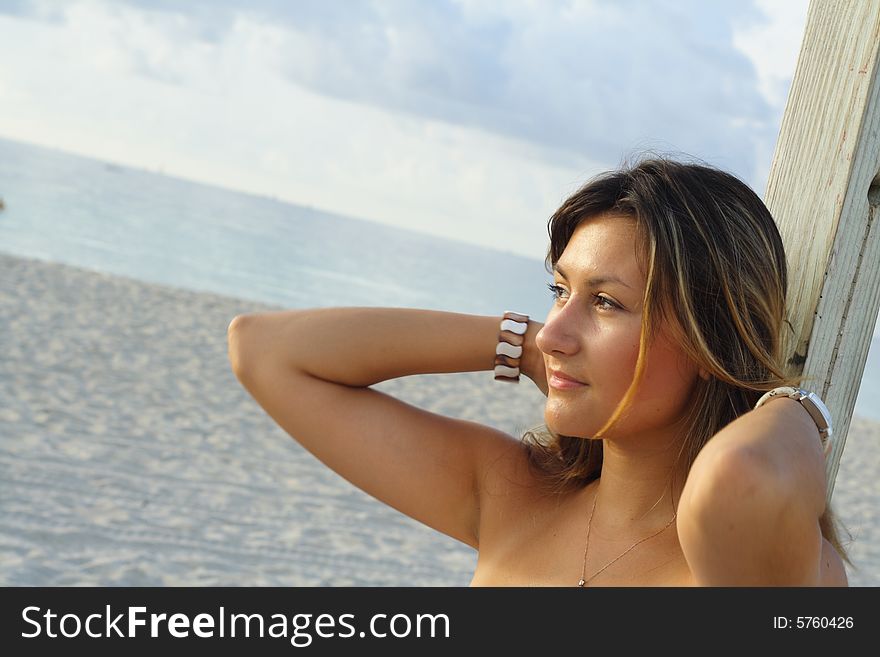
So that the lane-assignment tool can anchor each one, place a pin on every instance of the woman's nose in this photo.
(557, 334)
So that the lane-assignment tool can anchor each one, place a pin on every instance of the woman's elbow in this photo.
(236, 342)
(740, 523)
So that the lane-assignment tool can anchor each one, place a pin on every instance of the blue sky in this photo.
(467, 119)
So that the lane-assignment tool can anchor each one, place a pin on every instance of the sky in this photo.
(468, 119)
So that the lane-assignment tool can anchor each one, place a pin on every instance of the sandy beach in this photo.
(130, 454)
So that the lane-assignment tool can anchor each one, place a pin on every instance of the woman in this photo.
(655, 468)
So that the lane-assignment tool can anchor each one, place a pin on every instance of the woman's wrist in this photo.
(532, 363)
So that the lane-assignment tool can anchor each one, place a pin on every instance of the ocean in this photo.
(151, 227)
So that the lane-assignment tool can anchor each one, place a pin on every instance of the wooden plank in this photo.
(824, 192)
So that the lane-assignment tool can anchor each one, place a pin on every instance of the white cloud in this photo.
(468, 119)
(773, 45)
(583, 77)
(243, 126)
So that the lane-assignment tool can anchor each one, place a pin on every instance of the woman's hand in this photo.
(532, 361)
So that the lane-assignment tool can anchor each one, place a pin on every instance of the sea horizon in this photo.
(156, 228)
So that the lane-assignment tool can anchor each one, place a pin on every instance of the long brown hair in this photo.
(716, 270)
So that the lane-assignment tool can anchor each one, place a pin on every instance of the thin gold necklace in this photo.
(583, 582)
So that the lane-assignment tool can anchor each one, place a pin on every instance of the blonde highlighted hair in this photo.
(716, 274)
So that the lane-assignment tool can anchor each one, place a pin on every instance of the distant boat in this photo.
(2, 204)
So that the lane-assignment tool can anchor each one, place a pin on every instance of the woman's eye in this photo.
(554, 290)
(601, 302)
(610, 305)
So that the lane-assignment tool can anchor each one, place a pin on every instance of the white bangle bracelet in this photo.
(509, 349)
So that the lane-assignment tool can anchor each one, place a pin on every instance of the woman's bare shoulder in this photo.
(507, 469)
(510, 486)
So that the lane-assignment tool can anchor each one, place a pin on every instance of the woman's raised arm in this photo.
(310, 371)
(749, 512)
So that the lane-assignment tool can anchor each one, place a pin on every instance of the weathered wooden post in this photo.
(824, 192)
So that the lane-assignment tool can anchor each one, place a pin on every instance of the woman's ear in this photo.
(704, 374)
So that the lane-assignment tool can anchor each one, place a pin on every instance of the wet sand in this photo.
(130, 455)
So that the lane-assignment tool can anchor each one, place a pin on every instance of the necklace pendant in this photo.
(581, 583)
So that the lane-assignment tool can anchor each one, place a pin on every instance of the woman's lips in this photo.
(562, 382)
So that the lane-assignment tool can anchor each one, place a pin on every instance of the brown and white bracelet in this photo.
(508, 352)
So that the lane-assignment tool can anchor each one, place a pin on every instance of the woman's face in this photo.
(592, 335)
